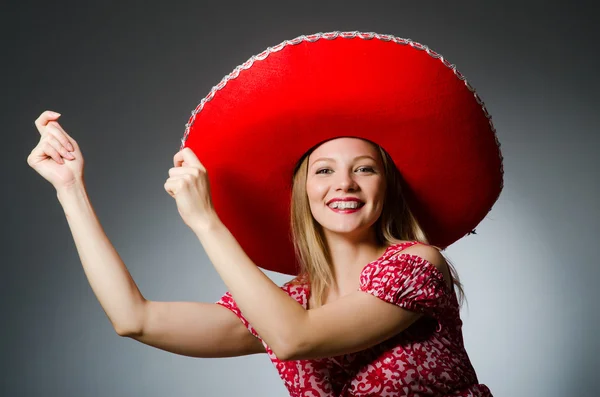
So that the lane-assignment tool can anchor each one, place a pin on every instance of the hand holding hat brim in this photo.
(188, 184)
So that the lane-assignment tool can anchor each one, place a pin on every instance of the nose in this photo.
(345, 182)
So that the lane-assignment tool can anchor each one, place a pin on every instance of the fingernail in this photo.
(70, 147)
(55, 114)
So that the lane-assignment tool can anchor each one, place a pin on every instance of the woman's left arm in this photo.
(355, 322)
(352, 323)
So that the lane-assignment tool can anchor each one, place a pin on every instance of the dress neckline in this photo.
(306, 286)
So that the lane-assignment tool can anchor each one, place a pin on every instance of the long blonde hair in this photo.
(396, 223)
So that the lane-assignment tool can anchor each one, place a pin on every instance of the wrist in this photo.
(209, 225)
(76, 189)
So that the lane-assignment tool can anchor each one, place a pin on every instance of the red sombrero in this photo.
(259, 120)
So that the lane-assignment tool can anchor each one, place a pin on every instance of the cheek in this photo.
(316, 191)
(378, 192)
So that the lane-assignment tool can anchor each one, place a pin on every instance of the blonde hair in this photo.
(396, 223)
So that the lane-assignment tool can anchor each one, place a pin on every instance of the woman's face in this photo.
(345, 185)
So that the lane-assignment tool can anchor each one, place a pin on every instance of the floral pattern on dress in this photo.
(426, 359)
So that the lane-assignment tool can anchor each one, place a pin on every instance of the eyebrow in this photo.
(331, 159)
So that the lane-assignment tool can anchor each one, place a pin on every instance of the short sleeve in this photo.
(294, 288)
(228, 302)
(408, 281)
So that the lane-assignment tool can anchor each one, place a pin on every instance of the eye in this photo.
(319, 171)
(366, 169)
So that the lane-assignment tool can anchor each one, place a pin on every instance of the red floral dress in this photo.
(426, 359)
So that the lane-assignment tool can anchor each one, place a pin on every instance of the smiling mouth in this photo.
(345, 205)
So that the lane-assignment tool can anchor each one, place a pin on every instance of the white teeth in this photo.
(344, 204)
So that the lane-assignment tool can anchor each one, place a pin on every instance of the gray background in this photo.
(125, 76)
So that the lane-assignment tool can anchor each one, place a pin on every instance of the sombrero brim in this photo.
(255, 125)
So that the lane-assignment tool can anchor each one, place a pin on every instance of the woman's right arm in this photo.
(189, 328)
(193, 329)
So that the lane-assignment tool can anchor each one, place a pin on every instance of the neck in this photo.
(348, 258)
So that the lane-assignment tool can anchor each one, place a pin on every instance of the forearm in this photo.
(276, 316)
(111, 282)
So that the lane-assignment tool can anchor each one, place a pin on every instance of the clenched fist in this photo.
(188, 185)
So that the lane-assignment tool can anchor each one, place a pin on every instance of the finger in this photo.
(51, 152)
(171, 187)
(60, 134)
(179, 182)
(178, 159)
(43, 119)
(53, 141)
(190, 157)
(178, 171)
(187, 157)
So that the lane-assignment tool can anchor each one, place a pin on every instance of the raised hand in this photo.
(188, 185)
(57, 156)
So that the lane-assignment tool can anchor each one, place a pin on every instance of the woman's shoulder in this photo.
(416, 249)
(415, 256)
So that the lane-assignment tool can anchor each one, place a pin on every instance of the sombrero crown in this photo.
(254, 126)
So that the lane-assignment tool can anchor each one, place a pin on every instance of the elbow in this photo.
(127, 331)
(294, 342)
(290, 349)
(285, 353)
(131, 325)
(121, 331)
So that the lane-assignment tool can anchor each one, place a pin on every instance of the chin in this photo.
(341, 230)
(348, 228)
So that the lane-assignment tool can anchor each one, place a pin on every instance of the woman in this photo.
(373, 310)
